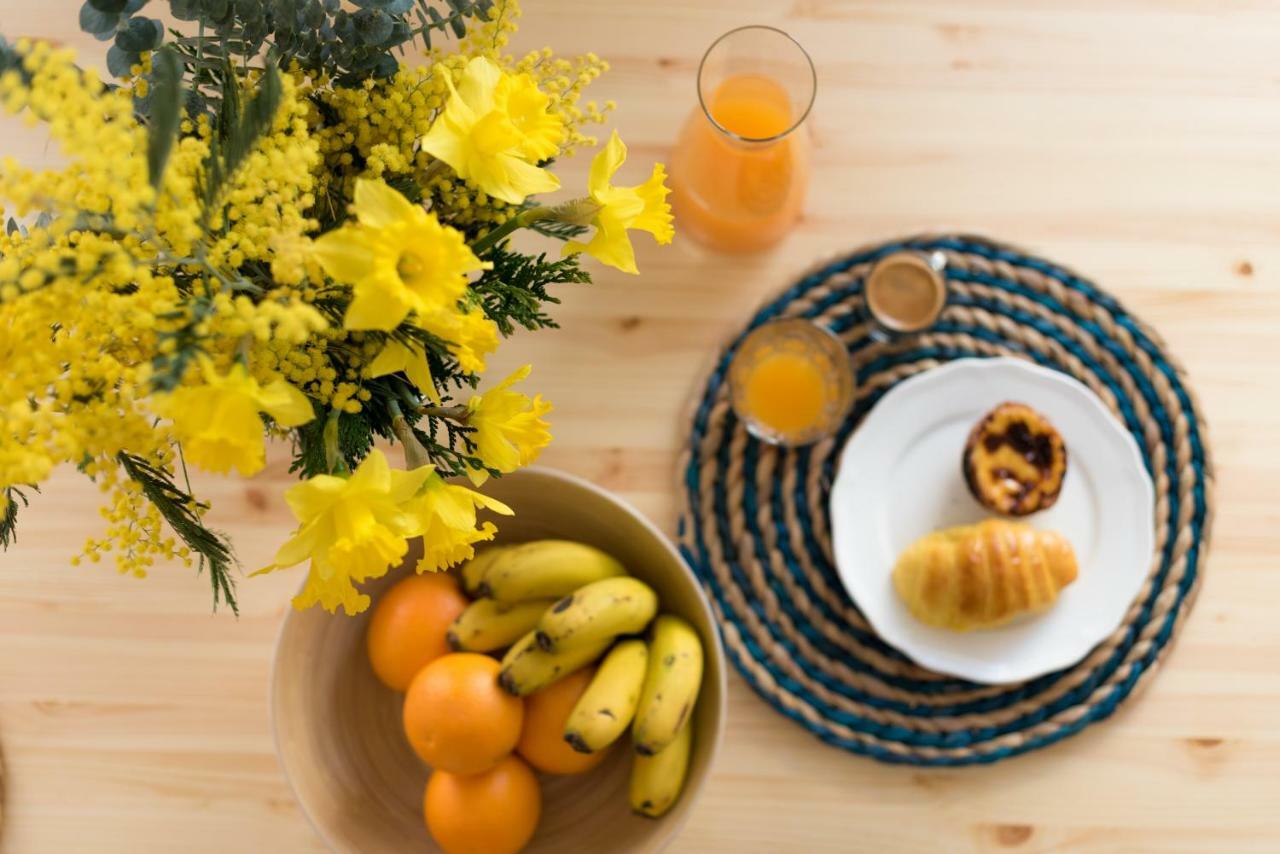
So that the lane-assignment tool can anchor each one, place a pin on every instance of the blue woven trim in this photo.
(699, 557)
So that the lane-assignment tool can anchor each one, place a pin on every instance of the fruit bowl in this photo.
(338, 730)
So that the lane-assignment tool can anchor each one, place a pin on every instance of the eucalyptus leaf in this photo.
(96, 21)
(141, 34)
(165, 113)
(111, 7)
(120, 61)
(10, 227)
(43, 219)
(185, 10)
(133, 6)
(314, 15)
(372, 26)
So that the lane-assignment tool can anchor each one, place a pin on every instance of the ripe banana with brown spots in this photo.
(656, 781)
(605, 709)
(488, 624)
(526, 668)
(471, 573)
(598, 611)
(672, 679)
(545, 569)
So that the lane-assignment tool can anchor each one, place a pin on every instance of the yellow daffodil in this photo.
(643, 208)
(396, 257)
(218, 421)
(447, 516)
(471, 336)
(352, 529)
(509, 430)
(396, 356)
(494, 128)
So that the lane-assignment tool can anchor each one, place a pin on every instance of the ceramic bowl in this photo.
(338, 731)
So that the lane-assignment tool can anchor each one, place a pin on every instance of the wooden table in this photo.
(1134, 139)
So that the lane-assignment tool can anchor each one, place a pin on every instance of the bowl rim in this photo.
(721, 713)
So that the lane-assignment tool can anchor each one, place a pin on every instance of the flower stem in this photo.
(415, 455)
(453, 413)
(520, 220)
(332, 456)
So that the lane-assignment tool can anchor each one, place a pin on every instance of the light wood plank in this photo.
(1133, 139)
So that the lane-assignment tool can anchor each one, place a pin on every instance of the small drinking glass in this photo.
(905, 293)
(740, 168)
(791, 382)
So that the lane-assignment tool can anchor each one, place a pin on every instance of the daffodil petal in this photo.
(296, 549)
(610, 245)
(379, 206)
(343, 254)
(373, 474)
(478, 84)
(407, 484)
(376, 307)
(656, 216)
(393, 357)
(288, 406)
(313, 497)
(605, 164)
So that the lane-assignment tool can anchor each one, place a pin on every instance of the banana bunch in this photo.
(557, 606)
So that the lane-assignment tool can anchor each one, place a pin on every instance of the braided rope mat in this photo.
(756, 528)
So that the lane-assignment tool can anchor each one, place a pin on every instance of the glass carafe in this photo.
(740, 168)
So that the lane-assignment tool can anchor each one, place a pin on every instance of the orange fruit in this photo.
(494, 812)
(408, 626)
(542, 741)
(457, 717)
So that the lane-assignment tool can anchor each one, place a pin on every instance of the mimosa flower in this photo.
(396, 356)
(218, 423)
(493, 129)
(352, 529)
(509, 430)
(447, 515)
(397, 258)
(643, 208)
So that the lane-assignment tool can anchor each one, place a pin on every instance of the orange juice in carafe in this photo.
(741, 165)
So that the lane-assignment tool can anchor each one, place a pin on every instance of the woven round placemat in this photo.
(756, 528)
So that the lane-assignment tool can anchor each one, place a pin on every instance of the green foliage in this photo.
(182, 512)
(355, 439)
(556, 229)
(317, 34)
(10, 60)
(239, 129)
(515, 290)
(9, 499)
(166, 104)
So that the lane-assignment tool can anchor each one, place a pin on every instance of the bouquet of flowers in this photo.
(272, 227)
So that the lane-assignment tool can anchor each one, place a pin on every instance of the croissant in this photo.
(981, 576)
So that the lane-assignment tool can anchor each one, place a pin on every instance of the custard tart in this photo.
(1015, 461)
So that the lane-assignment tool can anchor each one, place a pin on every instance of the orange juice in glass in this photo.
(740, 168)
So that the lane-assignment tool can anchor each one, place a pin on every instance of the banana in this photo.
(671, 682)
(472, 572)
(600, 610)
(488, 624)
(545, 569)
(656, 780)
(605, 709)
(526, 669)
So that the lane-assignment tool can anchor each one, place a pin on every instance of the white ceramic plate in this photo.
(900, 478)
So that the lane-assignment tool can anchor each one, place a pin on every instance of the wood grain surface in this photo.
(1133, 139)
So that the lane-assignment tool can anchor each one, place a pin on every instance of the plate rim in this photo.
(1130, 446)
